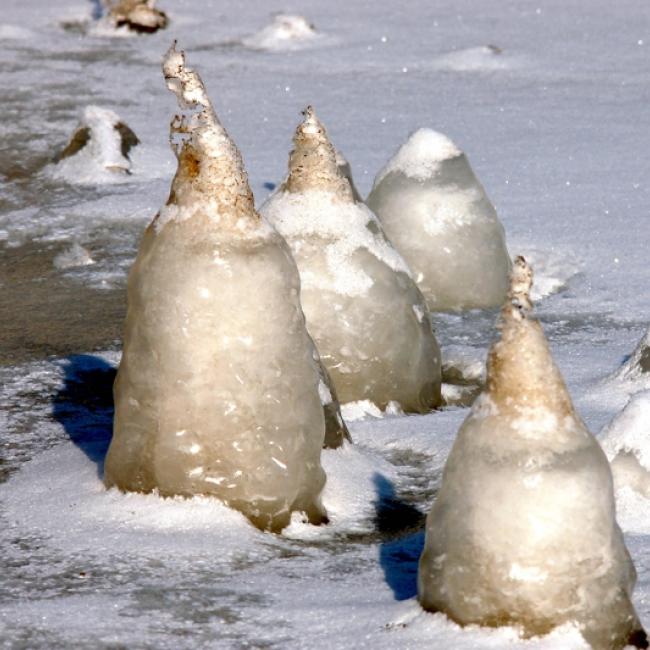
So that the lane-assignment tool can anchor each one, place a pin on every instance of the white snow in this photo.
(420, 156)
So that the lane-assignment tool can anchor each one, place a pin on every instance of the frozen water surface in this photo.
(558, 131)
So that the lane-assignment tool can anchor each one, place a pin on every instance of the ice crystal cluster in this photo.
(437, 215)
(523, 530)
(217, 392)
(363, 309)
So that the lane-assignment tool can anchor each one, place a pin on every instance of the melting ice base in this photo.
(561, 160)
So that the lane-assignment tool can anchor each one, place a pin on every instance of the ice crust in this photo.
(363, 309)
(436, 213)
(523, 530)
(209, 398)
(98, 150)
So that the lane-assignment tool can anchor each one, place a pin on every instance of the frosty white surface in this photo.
(626, 441)
(210, 398)
(98, 149)
(523, 530)
(437, 214)
(364, 311)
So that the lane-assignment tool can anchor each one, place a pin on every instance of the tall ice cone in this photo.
(363, 308)
(523, 531)
(218, 388)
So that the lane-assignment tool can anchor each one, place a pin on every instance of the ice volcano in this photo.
(523, 531)
(438, 216)
(98, 150)
(363, 309)
(211, 399)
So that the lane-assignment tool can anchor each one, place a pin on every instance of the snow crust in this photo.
(439, 218)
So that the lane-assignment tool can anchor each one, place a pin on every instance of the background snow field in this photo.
(549, 102)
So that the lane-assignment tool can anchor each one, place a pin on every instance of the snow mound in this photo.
(98, 151)
(76, 255)
(285, 32)
(420, 156)
(484, 58)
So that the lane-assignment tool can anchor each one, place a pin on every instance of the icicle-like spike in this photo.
(519, 304)
(312, 163)
(209, 162)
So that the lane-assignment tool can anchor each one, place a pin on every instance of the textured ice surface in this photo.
(523, 529)
(437, 214)
(209, 399)
(363, 309)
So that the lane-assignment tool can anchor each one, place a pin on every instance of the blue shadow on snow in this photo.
(84, 405)
(401, 528)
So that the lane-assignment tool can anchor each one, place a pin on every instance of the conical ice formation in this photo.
(437, 215)
(626, 441)
(218, 388)
(363, 309)
(523, 530)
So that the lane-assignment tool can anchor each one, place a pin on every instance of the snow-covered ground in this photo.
(549, 102)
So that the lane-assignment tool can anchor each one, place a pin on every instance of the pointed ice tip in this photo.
(311, 125)
(519, 303)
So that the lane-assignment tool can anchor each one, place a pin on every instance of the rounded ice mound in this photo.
(285, 32)
(436, 213)
(217, 392)
(98, 150)
(626, 441)
(523, 531)
(363, 309)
